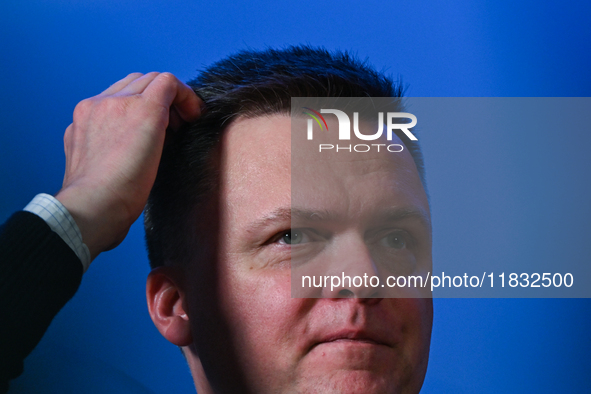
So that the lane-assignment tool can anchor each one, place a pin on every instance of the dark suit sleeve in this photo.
(39, 273)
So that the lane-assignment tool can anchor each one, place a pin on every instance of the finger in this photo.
(117, 86)
(137, 86)
(188, 105)
(175, 121)
(168, 90)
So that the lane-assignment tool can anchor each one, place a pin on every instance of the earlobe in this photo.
(165, 305)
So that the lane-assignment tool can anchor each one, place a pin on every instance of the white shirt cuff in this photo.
(61, 222)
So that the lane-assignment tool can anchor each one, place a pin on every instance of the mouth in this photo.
(351, 337)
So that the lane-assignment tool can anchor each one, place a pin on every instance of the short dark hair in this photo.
(249, 83)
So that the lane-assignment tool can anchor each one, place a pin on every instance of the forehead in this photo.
(256, 155)
(262, 170)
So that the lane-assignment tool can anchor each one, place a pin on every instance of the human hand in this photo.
(113, 150)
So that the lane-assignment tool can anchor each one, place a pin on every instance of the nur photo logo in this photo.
(344, 129)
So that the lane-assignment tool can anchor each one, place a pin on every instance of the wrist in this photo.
(103, 224)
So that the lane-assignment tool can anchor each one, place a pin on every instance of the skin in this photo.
(231, 307)
(113, 149)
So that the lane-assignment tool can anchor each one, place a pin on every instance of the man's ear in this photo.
(165, 304)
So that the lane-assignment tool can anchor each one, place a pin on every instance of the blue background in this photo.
(55, 53)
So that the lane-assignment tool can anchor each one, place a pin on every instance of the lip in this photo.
(353, 336)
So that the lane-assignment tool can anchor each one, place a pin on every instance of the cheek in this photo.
(258, 301)
(418, 321)
(266, 322)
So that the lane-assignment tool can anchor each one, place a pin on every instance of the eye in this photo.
(297, 236)
(294, 237)
(394, 241)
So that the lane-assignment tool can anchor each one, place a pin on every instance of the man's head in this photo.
(218, 224)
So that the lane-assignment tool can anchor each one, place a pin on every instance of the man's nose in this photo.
(352, 271)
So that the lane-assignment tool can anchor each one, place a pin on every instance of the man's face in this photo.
(280, 344)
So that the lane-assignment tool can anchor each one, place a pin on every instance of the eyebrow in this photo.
(284, 214)
(399, 214)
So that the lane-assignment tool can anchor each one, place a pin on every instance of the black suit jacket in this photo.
(39, 273)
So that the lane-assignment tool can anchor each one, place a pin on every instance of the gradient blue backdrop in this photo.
(56, 53)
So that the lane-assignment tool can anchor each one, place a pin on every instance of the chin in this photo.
(350, 382)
